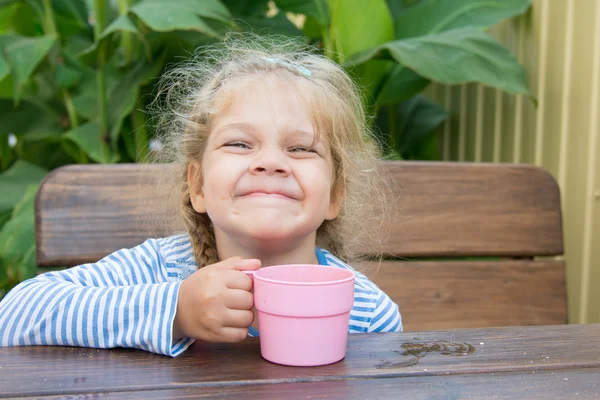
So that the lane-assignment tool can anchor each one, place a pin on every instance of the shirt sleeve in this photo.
(124, 300)
(386, 316)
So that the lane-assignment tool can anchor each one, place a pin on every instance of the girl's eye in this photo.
(303, 149)
(241, 145)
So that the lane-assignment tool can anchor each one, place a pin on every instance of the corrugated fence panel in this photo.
(558, 42)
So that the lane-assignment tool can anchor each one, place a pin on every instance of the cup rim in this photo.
(352, 277)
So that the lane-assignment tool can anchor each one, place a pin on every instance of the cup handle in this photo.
(250, 274)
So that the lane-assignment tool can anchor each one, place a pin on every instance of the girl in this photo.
(272, 164)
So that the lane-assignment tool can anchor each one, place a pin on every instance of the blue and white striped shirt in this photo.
(129, 299)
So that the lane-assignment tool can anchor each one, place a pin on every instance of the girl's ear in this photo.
(335, 204)
(194, 180)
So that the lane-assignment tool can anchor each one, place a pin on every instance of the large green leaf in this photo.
(171, 15)
(30, 118)
(353, 31)
(317, 9)
(246, 8)
(25, 53)
(5, 40)
(26, 20)
(397, 7)
(457, 56)
(71, 16)
(15, 180)
(67, 76)
(17, 239)
(7, 14)
(89, 138)
(123, 98)
(276, 25)
(122, 24)
(418, 118)
(353, 28)
(401, 84)
(409, 129)
(6, 153)
(433, 16)
(4, 67)
(85, 98)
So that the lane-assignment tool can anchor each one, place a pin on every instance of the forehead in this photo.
(276, 101)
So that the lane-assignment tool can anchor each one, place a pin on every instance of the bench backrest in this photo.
(467, 240)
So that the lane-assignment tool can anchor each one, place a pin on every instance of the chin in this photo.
(271, 235)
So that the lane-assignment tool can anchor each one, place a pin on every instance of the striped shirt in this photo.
(129, 299)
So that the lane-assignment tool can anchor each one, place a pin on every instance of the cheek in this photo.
(221, 175)
(317, 180)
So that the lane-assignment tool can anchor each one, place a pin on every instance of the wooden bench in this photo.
(468, 241)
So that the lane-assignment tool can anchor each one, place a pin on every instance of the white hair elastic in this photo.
(288, 64)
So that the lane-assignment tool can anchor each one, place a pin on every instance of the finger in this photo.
(238, 280)
(251, 264)
(238, 319)
(239, 300)
(226, 264)
(233, 335)
(239, 264)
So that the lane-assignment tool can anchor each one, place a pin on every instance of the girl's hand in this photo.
(215, 302)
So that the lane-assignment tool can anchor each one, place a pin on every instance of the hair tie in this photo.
(288, 64)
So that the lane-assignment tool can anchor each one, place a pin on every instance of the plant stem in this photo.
(49, 25)
(126, 37)
(140, 135)
(70, 109)
(101, 87)
(392, 127)
(100, 14)
(328, 44)
(50, 28)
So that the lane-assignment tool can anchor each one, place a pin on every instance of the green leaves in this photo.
(316, 9)
(352, 31)
(452, 57)
(30, 118)
(14, 183)
(433, 16)
(91, 139)
(411, 126)
(401, 84)
(163, 16)
(24, 54)
(17, 243)
(352, 28)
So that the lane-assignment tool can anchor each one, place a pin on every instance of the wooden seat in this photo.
(467, 242)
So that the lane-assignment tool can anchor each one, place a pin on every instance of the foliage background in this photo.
(76, 77)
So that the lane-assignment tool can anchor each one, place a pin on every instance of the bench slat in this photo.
(436, 295)
(84, 212)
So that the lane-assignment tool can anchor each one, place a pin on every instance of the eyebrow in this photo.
(244, 126)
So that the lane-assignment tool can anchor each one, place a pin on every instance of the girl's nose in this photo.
(270, 161)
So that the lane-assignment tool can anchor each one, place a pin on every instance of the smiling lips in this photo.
(268, 194)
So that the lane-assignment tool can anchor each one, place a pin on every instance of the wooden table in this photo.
(502, 363)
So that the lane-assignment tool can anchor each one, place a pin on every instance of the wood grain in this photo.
(84, 212)
(560, 384)
(39, 371)
(471, 294)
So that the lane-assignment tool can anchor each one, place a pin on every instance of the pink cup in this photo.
(303, 313)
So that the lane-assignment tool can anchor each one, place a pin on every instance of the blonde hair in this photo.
(185, 106)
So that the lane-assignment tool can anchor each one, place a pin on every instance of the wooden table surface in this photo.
(502, 363)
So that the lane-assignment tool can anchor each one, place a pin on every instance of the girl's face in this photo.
(264, 177)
